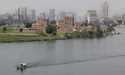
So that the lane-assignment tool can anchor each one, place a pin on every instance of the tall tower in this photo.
(51, 17)
(43, 15)
(33, 14)
(105, 9)
(22, 14)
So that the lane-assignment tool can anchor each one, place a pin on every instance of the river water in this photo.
(105, 56)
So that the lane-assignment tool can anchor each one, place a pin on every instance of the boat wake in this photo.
(46, 64)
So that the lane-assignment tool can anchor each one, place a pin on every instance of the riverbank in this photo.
(29, 37)
(26, 37)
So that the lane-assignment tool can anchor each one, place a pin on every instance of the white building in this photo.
(105, 9)
(92, 16)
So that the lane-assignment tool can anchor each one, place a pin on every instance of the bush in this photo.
(84, 34)
(68, 35)
(51, 29)
(76, 34)
(99, 33)
(28, 25)
(4, 29)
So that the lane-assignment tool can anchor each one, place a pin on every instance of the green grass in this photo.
(14, 37)
(11, 35)
(8, 30)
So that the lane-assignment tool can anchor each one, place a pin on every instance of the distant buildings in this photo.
(69, 20)
(8, 18)
(39, 25)
(105, 9)
(26, 15)
(65, 25)
(92, 17)
(22, 14)
(43, 15)
(33, 15)
(61, 15)
(64, 21)
(52, 16)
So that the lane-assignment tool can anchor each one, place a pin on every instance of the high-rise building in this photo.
(105, 9)
(61, 15)
(22, 14)
(33, 15)
(43, 15)
(26, 15)
(52, 15)
(92, 17)
(69, 20)
(39, 25)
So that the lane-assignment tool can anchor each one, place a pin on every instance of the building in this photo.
(105, 9)
(61, 15)
(92, 17)
(22, 14)
(39, 25)
(33, 15)
(26, 15)
(60, 26)
(52, 15)
(69, 20)
(43, 15)
(65, 24)
(77, 26)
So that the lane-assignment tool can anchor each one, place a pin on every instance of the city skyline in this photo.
(77, 6)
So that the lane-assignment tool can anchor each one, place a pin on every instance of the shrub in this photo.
(28, 25)
(68, 35)
(51, 29)
(76, 34)
(4, 29)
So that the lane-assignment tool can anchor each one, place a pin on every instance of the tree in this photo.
(4, 29)
(51, 29)
(28, 25)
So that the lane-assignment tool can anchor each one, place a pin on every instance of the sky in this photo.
(78, 6)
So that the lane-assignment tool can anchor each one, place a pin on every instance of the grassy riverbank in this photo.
(29, 37)
(26, 37)
(11, 35)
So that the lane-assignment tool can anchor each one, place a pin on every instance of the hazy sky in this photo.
(79, 6)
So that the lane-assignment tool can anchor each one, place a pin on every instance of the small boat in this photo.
(23, 66)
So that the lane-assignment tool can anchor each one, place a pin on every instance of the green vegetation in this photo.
(11, 35)
(42, 34)
(84, 34)
(6, 29)
(51, 29)
(15, 37)
(28, 25)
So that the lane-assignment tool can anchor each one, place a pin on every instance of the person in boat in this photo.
(22, 67)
